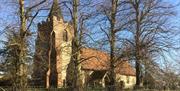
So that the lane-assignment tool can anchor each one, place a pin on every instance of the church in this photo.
(53, 53)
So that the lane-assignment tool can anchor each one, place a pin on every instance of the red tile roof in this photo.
(93, 59)
(124, 68)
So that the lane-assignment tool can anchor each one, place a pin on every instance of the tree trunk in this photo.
(77, 84)
(112, 46)
(137, 44)
(22, 69)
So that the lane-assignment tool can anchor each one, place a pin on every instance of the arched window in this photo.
(65, 35)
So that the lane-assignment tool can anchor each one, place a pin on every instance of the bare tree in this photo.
(19, 43)
(79, 17)
(112, 23)
(151, 31)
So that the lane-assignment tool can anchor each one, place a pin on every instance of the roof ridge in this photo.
(98, 50)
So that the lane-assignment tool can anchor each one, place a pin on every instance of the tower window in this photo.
(65, 35)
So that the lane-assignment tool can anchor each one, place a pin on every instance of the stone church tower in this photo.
(53, 49)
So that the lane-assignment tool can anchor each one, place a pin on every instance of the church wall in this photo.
(63, 48)
(129, 81)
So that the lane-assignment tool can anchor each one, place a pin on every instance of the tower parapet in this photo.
(44, 26)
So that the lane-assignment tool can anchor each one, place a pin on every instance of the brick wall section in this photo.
(62, 47)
